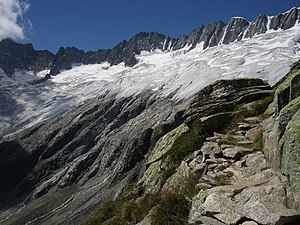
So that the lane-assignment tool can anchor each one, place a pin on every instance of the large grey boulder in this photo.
(261, 198)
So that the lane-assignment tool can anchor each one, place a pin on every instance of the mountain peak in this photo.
(210, 35)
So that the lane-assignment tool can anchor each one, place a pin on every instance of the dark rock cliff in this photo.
(23, 56)
(258, 26)
(281, 135)
(286, 20)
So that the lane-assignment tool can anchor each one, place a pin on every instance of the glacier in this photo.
(178, 74)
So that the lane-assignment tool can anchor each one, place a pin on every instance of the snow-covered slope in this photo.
(178, 73)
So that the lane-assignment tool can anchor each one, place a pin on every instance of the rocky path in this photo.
(237, 186)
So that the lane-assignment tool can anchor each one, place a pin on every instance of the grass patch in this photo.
(173, 209)
(261, 106)
(187, 142)
(115, 221)
(125, 210)
(222, 180)
(165, 174)
(170, 207)
(189, 189)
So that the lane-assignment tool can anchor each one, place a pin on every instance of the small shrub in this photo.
(165, 174)
(129, 211)
(125, 210)
(222, 180)
(189, 189)
(105, 213)
(262, 105)
(173, 209)
(115, 221)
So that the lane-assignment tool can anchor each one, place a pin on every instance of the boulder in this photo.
(235, 152)
(256, 160)
(249, 223)
(254, 134)
(260, 197)
(210, 148)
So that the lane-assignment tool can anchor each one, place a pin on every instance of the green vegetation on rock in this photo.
(126, 209)
(187, 142)
(173, 209)
(169, 207)
(291, 151)
(286, 81)
(294, 104)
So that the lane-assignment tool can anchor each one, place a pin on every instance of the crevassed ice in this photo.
(181, 73)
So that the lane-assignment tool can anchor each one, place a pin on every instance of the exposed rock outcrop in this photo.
(258, 26)
(23, 57)
(65, 58)
(235, 29)
(286, 20)
(281, 132)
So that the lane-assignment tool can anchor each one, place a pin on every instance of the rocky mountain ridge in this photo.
(24, 57)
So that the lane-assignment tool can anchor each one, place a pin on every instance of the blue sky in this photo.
(96, 24)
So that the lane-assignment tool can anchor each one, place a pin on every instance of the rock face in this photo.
(259, 26)
(65, 58)
(125, 51)
(224, 95)
(210, 35)
(17, 56)
(234, 30)
(15, 164)
(282, 132)
(286, 20)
